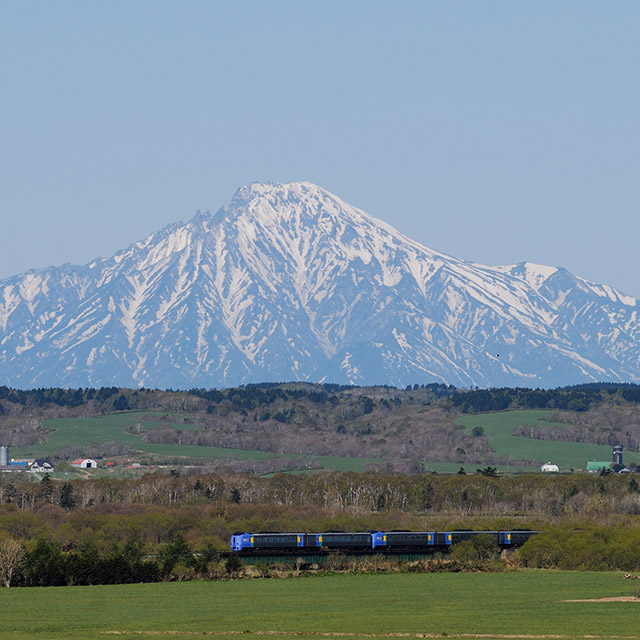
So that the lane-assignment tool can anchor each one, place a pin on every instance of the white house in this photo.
(549, 468)
(40, 465)
(84, 463)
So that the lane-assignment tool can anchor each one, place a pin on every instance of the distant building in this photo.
(34, 465)
(617, 455)
(596, 467)
(84, 463)
(549, 468)
(41, 465)
(19, 464)
(7, 467)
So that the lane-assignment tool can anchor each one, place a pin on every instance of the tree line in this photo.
(173, 527)
(484, 493)
(251, 396)
(573, 398)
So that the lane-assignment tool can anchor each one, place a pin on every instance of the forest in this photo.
(174, 527)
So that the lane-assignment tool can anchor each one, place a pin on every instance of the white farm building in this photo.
(549, 468)
(84, 463)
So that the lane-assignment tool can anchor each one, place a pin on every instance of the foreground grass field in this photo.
(519, 604)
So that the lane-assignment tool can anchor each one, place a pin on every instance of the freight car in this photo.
(372, 541)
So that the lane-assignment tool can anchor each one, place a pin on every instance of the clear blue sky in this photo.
(494, 131)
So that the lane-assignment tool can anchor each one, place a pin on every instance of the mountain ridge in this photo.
(289, 282)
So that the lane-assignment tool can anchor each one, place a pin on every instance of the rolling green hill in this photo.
(78, 432)
(303, 427)
(499, 426)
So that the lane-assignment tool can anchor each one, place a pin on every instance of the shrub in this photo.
(233, 565)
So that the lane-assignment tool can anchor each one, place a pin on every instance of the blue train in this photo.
(371, 540)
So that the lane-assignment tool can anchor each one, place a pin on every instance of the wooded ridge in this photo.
(401, 428)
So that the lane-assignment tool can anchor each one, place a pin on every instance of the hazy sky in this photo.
(494, 131)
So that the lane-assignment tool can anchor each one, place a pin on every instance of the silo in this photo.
(617, 455)
(4, 456)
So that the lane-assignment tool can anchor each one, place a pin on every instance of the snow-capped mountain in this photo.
(289, 282)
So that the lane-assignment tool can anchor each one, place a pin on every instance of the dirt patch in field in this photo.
(613, 599)
(337, 634)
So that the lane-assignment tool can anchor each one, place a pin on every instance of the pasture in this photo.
(121, 427)
(81, 431)
(533, 604)
(499, 426)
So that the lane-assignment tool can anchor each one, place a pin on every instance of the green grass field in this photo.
(499, 427)
(84, 431)
(529, 604)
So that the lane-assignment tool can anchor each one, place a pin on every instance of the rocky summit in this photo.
(288, 283)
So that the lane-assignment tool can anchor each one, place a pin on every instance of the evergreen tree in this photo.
(46, 489)
(121, 403)
(45, 565)
(67, 499)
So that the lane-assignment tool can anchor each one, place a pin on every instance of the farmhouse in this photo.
(41, 465)
(549, 468)
(84, 463)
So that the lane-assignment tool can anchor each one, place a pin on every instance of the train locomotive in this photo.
(370, 541)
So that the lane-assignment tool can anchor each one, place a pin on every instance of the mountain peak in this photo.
(302, 204)
(289, 282)
(535, 275)
(275, 190)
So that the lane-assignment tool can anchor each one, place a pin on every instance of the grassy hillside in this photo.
(86, 432)
(258, 428)
(297, 427)
(499, 426)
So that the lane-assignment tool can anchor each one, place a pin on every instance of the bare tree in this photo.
(12, 559)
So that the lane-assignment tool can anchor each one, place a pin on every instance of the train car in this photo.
(503, 539)
(409, 539)
(461, 535)
(266, 541)
(515, 538)
(346, 540)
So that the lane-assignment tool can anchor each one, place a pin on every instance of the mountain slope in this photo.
(288, 282)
